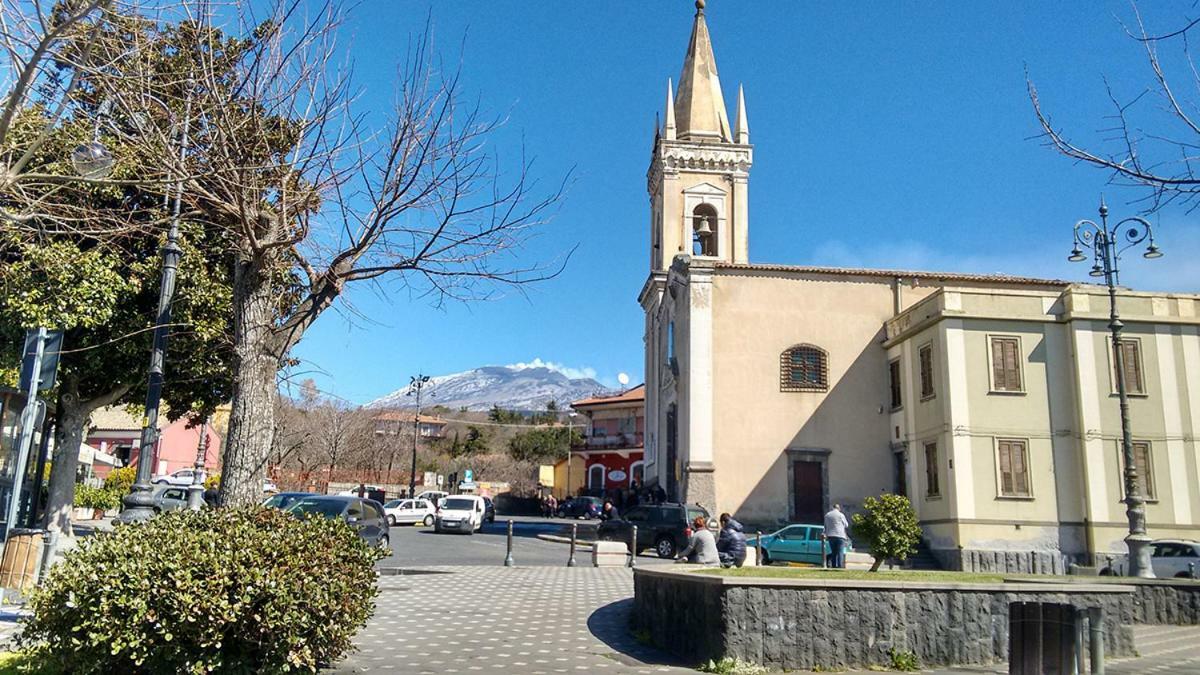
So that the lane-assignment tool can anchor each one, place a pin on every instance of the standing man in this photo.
(835, 531)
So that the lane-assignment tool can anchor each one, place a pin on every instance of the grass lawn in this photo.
(812, 573)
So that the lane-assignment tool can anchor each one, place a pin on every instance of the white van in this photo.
(460, 513)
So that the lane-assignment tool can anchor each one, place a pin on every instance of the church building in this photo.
(774, 391)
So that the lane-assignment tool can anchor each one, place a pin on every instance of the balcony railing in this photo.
(608, 442)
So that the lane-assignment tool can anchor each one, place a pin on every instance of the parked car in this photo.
(282, 500)
(434, 496)
(169, 497)
(364, 515)
(794, 543)
(580, 507)
(664, 527)
(489, 510)
(1170, 558)
(180, 477)
(460, 513)
(410, 511)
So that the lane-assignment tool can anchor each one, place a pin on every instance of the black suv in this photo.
(664, 527)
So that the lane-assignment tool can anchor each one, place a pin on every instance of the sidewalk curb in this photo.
(564, 540)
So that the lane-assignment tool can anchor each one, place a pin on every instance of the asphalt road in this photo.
(421, 546)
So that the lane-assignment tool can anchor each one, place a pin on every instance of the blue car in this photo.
(794, 543)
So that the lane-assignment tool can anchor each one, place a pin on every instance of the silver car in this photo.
(169, 497)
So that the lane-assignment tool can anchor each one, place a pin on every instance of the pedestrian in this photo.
(836, 526)
(660, 495)
(731, 543)
(610, 512)
(551, 506)
(362, 490)
(702, 546)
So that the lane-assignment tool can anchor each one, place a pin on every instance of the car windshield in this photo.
(330, 508)
(458, 505)
(392, 504)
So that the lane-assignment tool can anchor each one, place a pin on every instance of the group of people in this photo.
(727, 549)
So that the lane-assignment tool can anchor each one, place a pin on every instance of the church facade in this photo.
(774, 391)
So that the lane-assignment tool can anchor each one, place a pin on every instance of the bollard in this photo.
(824, 556)
(48, 546)
(633, 547)
(1096, 632)
(508, 560)
(758, 546)
(574, 531)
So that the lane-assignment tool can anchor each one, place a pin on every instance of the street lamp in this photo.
(139, 503)
(415, 385)
(570, 427)
(1107, 243)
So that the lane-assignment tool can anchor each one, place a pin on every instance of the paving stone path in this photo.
(505, 620)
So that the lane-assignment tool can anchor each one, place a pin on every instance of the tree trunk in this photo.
(71, 418)
(256, 363)
(876, 563)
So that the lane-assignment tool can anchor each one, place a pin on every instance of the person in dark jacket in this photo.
(731, 544)
(610, 512)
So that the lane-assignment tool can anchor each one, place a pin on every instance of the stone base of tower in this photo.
(699, 486)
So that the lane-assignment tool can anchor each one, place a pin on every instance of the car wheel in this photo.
(428, 520)
(391, 521)
(665, 547)
(766, 559)
(385, 542)
(1183, 575)
(1107, 572)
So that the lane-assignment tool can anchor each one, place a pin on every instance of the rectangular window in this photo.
(1006, 364)
(1014, 467)
(927, 371)
(932, 489)
(1131, 355)
(1144, 463)
(894, 375)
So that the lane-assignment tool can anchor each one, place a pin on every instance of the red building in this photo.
(612, 447)
(116, 432)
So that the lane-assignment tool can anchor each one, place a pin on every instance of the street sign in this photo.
(51, 346)
(468, 476)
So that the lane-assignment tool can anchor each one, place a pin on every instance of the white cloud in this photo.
(573, 373)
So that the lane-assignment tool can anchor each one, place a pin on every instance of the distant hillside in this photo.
(513, 388)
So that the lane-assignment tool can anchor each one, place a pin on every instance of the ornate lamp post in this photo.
(414, 389)
(1107, 243)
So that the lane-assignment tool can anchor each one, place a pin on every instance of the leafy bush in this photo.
(903, 660)
(246, 590)
(213, 482)
(88, 497)
(889, 527)
(732, 666)
(121, 480)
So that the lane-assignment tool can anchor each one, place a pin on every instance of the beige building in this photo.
(774, 391)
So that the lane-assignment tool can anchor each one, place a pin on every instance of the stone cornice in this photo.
(671, 157)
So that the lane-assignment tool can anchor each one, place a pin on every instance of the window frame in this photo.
(788, 385)
(993, 386)
(1141, 368)
(1151, 496)
(921, 351)
(895, 384)
(1026, 454)
(603, 476)
(933, 488)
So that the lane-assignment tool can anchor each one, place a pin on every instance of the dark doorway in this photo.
(672, 451)
(807, 492)
(900, 463)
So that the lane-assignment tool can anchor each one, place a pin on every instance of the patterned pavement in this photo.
(503, 620)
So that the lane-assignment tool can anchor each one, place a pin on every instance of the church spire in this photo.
(669, 129)
(699, 105)
(741, 127)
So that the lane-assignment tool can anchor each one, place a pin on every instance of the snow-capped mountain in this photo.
(510, 387)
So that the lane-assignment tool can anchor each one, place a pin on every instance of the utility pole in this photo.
(415, 386)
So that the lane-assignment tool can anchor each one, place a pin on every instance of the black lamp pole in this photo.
(1107, 242)
(414, 388)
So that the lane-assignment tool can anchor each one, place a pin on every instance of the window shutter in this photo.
(1133, 366)
(1006, 481)
(1019, 469)
(999, 377)
(894, 375)
(926, 371)
(1141, 462)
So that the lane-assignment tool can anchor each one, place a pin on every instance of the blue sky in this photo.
(890, 135)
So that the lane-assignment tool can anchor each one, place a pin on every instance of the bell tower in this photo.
(700, 168)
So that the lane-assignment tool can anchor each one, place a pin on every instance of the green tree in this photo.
(541, 444)
(888, 526)
(501, 416)
(476, 443)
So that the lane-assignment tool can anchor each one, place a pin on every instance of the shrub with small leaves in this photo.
(102, 499)
(246, 590)
(888, 525)
(121, 480)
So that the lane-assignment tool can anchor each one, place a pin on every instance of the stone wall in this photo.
(791, 624)
(1003, 562)
(1155, 601)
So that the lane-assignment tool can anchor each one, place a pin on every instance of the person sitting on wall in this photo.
(731, 543)
(702, 547)
(610, 512)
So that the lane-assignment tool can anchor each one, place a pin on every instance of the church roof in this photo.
(699, 104)
(906, 274)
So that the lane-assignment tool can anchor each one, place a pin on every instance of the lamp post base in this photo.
(138, 505)
(1139, 556)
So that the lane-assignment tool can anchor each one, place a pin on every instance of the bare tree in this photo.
(311, 200)
(1154, 149)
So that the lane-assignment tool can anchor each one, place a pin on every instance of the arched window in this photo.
(704, 230)
(636, 473)
(596, 477)
(804, 368)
